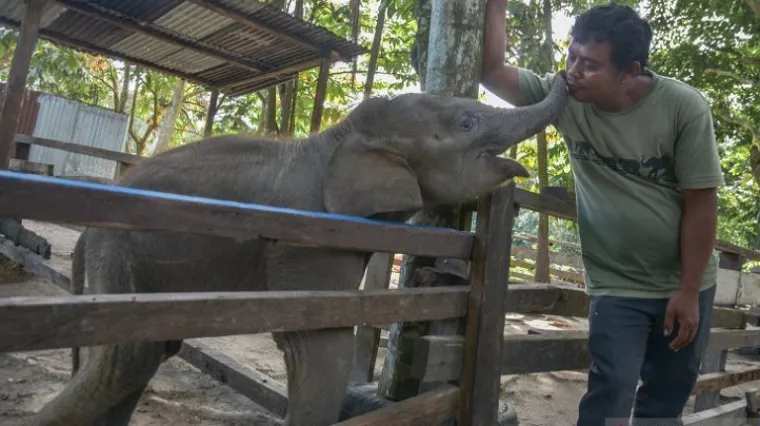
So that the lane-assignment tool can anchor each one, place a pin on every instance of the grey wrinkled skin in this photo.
(386, 160)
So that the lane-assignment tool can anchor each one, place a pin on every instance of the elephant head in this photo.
(414, 150)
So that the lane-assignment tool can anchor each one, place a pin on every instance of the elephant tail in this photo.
(77, 288)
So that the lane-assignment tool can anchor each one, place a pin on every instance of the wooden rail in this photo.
(87, 320)
(566, 210)
(120, 157)
(64, 321)
(561, 351)
(116, 207)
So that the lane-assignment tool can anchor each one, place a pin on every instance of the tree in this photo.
(450, 72)
(720, 42)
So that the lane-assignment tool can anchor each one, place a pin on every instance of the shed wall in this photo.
(71, 121)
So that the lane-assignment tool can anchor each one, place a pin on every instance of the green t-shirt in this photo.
(629, 168)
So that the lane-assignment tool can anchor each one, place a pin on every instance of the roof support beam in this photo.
(14, 92)
(231, 87)
(260, 25)
(115, 18)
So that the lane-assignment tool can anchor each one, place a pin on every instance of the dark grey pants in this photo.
(626, 341)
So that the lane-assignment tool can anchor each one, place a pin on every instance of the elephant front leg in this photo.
(319, 363)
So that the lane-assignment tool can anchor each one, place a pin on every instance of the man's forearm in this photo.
(698, 230)
(494, 36)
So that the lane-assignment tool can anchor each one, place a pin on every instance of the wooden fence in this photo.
(462, 371)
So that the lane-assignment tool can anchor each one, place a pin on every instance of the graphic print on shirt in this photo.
(658, 169)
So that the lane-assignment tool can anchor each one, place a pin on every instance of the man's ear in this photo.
(364, 179)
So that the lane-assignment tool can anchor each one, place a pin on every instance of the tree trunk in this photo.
(355, 9)
(289, 95)
(124, 88)
(170, 119)
(375, 50)
(754, 162)
(451, 65)
(271, 111)
(419, 49)
(213, 107)
(755, 5)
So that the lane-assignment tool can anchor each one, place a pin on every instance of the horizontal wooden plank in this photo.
(258, 387)
(31, 323)
(562, 300)
(76, 148)
(33, 262)
(429, 408)
(716, 381)
(731, 414)
(746, 253)
(536, 353)
(531, 298)
(108, 206)
(566, 210)
(555, 351)
(545, 204)
(731, 339)
(26, 166)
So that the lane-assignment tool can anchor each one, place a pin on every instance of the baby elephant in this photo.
(387, 159)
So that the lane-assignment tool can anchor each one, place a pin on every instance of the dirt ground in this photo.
(181, 395)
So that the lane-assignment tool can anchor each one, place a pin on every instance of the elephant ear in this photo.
(365, 179)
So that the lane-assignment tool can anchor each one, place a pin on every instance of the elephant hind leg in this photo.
(319, 363)
(106, 389)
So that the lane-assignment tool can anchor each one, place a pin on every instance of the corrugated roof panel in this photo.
(268, 47)
(146, 47)
(15, 10)
(100, 33)
(142, 10)
(191, 61)
(193, 21)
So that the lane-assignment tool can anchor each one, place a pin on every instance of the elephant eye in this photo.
(468, 123)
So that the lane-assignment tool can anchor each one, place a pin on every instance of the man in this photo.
(646, 168)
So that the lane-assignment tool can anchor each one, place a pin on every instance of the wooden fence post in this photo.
(489, 276)
(377, 276)
(14, 91)
(715, 361)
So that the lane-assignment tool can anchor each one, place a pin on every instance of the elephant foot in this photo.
(507, 415)
(361, 399)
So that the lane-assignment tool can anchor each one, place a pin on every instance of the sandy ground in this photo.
(181, 395)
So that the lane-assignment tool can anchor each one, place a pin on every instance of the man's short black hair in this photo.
(628, 34)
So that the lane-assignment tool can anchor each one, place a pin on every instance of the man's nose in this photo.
(574, 71)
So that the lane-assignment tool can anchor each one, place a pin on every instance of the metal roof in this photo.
(236, 46)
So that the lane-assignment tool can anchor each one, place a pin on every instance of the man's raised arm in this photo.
(499, 78)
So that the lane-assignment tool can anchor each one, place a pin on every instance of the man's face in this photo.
(590, 73)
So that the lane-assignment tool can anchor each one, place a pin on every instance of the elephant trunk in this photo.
(518, 124)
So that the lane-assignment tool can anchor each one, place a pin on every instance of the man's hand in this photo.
(684, 308)
(697, 241)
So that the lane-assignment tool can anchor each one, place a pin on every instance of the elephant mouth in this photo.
(514, 168)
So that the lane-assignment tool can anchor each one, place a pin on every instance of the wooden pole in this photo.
(489, 275)
(14, 93)
(319, 98)
(541, 273)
